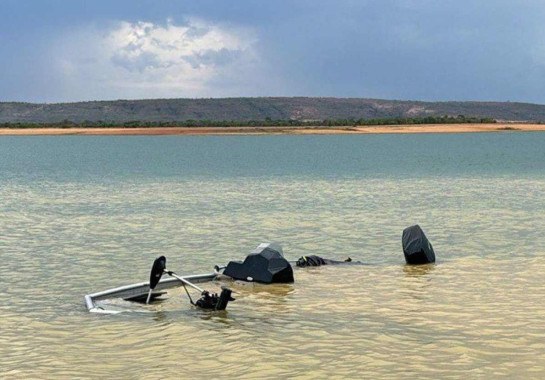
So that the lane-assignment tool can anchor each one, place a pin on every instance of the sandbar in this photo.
(317, 130)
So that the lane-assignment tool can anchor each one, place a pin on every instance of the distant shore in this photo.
(318, 130)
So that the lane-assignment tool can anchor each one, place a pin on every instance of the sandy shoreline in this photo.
(382, 129)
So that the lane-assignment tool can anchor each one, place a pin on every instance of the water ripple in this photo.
(478, 312)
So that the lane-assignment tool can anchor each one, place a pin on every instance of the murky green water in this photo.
(83, 214)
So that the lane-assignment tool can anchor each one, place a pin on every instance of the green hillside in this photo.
(245, 109)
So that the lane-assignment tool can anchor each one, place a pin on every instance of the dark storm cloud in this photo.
(403, 49)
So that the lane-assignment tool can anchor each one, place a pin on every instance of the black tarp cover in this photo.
(265, 264)
(416, 246)
(317, 261)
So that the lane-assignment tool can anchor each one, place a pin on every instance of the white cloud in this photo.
(144, 60)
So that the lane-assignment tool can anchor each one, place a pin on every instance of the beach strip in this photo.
(318, 130)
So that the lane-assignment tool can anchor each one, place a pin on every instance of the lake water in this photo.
(83, 214)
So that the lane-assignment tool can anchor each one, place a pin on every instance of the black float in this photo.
(416, 246)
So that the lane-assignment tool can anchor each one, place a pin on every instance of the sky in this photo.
(431, 50)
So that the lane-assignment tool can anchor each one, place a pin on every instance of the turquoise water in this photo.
(104, 158)
(79, 214)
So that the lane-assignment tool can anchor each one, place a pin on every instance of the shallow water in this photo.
(83, 214)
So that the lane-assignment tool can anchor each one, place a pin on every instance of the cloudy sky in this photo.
(72, 50)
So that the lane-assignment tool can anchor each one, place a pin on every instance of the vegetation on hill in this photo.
(256, 123)
(259, 111)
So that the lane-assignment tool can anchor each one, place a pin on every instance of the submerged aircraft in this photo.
(265, 264)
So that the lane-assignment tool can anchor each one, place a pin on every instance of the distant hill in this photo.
(243, 109)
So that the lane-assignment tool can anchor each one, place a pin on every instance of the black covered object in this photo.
(416, 246)
(316, 261)
(310, 261)
(265, 264)
(215, 302)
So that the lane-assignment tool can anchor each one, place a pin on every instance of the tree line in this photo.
(268, 122)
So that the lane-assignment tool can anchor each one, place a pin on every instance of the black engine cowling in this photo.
(266, 264)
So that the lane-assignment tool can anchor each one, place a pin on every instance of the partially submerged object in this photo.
(266, 264)
(317, 261)
(208, 300)
(416, 246)
(139, 292)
